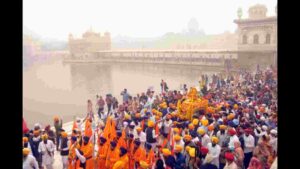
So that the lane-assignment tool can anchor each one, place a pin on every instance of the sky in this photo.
(55, 19)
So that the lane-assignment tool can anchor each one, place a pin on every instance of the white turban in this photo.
(273, 131)
(264, 127)
(125, 123)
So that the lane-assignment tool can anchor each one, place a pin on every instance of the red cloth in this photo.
(229, 156)
(204, 150)
(231, 132)
(25, 128)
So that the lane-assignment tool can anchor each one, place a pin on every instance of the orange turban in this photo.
(204, 122)
(195, 122)
(222, 127)
(176, 130)
(166, 152)
(177, 137)
(191, 126)
(235, 106)
(137, 115)
(25, 139)
(210, 128)
(188, 137)
(150, 123)
(26, 151)
(201, 131)
(138, 129)
(230, 116)
(178, 148)
(64, 134)
(215, 140)
(157, 118)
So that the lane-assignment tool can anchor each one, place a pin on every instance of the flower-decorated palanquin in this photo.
(191, 103)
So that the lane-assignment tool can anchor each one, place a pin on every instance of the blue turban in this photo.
(137, 142)
(131, 135)
(131, 126)
(235, 122)
(113, 143)
(74, 138)
(230, 123)
(102, 139)
(193, 133)
(86, 138)
(119, 133)
(148, 146)
(123, 151)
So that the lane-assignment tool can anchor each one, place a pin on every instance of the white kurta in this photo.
(47, 159)
(249, 143)
(142, 137)
(215, 153)
(273, 143)
(30, 162)
(167, 125)
(231, 166)
(205, 140)
(221, 137)
(232, 140)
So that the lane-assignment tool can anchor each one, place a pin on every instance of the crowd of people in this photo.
(237, 129)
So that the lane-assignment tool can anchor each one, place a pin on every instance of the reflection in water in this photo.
(42, 99)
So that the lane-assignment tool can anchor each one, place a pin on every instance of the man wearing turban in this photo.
(249, 146)
(58, 127)
(87, 149)
(137, 154)
(29, 161)
(64, 149)
(180, 159)
(230, 164)
(112, 155)
(150, 155)
(221, 134)
(232, 138)
(124, 157)
(34, 144)
(102, 152)
(46, 148)
(214, 150)
(150, 134)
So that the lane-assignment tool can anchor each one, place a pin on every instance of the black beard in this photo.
(45, 141)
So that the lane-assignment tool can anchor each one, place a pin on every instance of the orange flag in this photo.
(88, 129)
(123, 134)
(106, 130)
(113, 132)
(74, 125)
